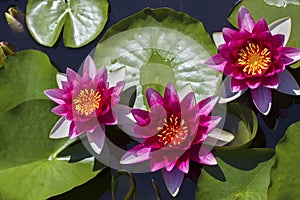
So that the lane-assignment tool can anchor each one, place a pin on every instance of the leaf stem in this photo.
(60, 149)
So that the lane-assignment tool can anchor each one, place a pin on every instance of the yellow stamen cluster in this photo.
(87, 101)
(254, 59)
(173, 132)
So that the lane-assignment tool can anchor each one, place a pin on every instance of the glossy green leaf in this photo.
(285, 173)
(241, 121)
(122, 186)
(29, 166)
(158, 46)
(82, 20)
(240, 174)
(272, 13)
(24, 76)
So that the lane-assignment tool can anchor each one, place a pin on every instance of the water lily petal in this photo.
(116, 76)
(218, 38)
(282, 26)
(270, 82)
(185, 90)
(288, 84)
(141, 116)
(216, 62)
(262, 98)
(71, 74)
(226, 95)
(137, 154)
(218, 137)
(210, 122)
(97, 138)
(253, 82)
(291, 53)
(202, 155)
(171, 99)
(89, 68)
(188, 102)
(245, 20)
(101, 75)
(183, 163)
(173, 180)
(59, 78)
(153, 97)
(55, 95)
(261, 27)
(60, 129)
(61, 110)
(207, 105)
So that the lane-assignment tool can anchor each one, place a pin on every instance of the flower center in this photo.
(254, 59)
(173, 132)
(87, 101)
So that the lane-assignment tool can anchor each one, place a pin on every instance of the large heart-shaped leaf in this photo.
(285, 173)
(240, 174)
(24, 76)
(158, 46)
(271, 14)
(82, 20)
(29, 166)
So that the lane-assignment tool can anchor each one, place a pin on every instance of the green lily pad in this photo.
(29, 166)
(240, 174)
(82, 20)
(239, 120)
(24, 76)
(158, 46)
(272, 13)
(285, 173)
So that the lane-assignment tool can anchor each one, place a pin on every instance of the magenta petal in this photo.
(72, 131)
(55, 95)
(183, 163)
(109, 118)
(287, 83)
(135, 155)
(270, 82)
(171, 99)
(207, 105)
(202, 155)
(262, 98)
(72, 75)
(101, 75)
(153, 97)
(254, 82)
(188, 101)
(216, 62)
(245, 20)
(89, 68)
(237, 85)
(229, 34)
(60, 110)
(208, 159)
(173, 180)
(277, 41)
(141, 116)
(226, 95)
(210, 122)
(261, 26)
(97, 138)
(291, 53)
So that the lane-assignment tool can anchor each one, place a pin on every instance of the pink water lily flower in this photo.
(255, 57)
(174, 132)
(86, 103)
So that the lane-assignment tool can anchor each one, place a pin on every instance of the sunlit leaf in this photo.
(240, 174)
(29, 165)
(82, 20)
(158, 46)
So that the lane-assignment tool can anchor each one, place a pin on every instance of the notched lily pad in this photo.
(29, 166)
(158, 46)
(24, 76)
(240, 174)
(82, 20)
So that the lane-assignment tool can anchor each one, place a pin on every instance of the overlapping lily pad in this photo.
(29, 166)
(24, 76)
(82, 20)
(158, 46)
(285, 173)
(240, 174)
(272, 13)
